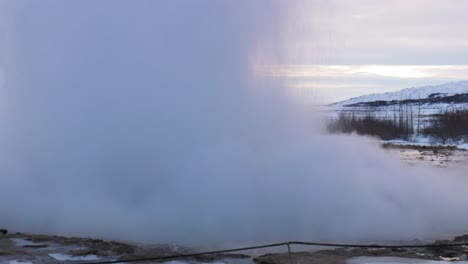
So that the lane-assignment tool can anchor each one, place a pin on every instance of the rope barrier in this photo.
(376, 245)
(188, 255)
(288, 244)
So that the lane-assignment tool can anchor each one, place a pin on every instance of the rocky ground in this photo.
(344, 255)
(28, 248)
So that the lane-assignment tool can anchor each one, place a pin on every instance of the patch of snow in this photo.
(63, 257)
(463, 146)
(397, 260)
(421, 139)
(406, 142)
(20, 242)
(19, 262)
(425, 141)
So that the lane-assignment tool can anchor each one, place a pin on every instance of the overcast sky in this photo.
(336, 49)
(362, 46)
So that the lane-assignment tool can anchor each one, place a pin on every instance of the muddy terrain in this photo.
(438, 156)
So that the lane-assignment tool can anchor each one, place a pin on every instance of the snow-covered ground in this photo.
(463, 146)
(419, 112)
(420, 140)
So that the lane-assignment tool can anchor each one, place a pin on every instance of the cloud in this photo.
(393, 45)
(398, 32)
(339, 82)
(340, 71)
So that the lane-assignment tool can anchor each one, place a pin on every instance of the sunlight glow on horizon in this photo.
(395, 71)
(334, 83)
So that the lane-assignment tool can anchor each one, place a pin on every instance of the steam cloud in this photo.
(142, 120)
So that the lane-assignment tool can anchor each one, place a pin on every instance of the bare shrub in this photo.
(385, 129)
(449, 125)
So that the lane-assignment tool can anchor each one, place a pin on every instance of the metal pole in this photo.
(289, 252)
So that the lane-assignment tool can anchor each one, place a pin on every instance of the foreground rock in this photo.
(28, 248)
(437, 251)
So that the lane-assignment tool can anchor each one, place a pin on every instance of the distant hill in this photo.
(445, 94)
(423, 101)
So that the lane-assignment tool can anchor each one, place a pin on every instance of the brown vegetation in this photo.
(449, 125)
(369, 125)
(445, 126)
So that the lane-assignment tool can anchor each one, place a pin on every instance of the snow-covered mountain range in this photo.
(423, 101)
(413, 93)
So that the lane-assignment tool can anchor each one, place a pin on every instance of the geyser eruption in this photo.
(142, 120)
